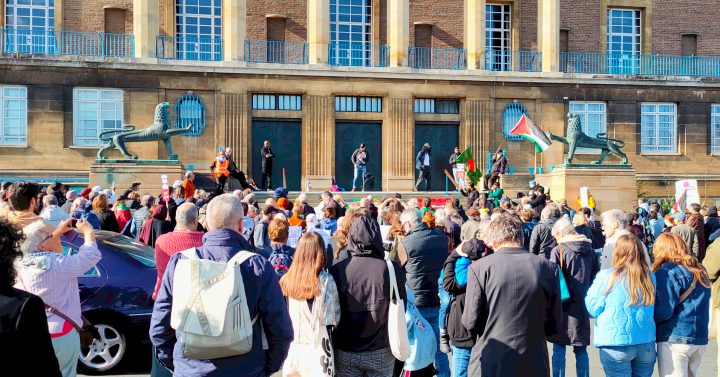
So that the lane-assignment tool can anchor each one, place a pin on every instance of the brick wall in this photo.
(447, 18)
(528, 24)
(671, 18)
(83, 15)
(295, 23)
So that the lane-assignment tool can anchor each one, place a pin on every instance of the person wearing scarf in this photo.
(122, 214)
(156, 226)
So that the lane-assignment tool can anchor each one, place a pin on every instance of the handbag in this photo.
(88, 332)
(564, 291)
(397, 329)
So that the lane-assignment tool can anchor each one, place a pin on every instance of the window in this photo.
(658, 127)
(688, 45)
(95, 111)
(34, 22)
(358, 104)
(277, 102)
(436, 106)
(70, 249)
(715, 129)
(510, 116)
(564, 40)
(190, 111)
(592, 117)
(623, 40)
(13, 115)
(350, 32)
(199, 29)
(497, 37)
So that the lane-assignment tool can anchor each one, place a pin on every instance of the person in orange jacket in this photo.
(220, 168)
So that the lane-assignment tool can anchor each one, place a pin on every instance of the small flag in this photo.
(526, 129)
(467, 158)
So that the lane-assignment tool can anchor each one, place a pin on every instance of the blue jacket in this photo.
(617, 323)
(461, 270)
(420, 159)
(264, 297)
(680, 322)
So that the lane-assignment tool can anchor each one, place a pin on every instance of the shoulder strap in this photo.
(63, 316)
(561, 254)
(190, 253)
(393, 281)
(240, 257)
(687, 293)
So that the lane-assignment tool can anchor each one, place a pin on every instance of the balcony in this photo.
(437, 58)
(278, 52)
(359, 55)
(635, 64)
(188, 48)
(62, 42)
(513, 60)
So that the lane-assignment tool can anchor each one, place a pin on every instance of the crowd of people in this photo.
(483, 287)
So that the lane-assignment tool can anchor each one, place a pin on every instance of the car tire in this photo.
(110, 353)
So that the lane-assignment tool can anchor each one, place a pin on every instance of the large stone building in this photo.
(318, 77)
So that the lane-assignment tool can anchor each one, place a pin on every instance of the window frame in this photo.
(343, 20)
(204, 49)
(22, 140)
(656, 114)
(119, 109)
(358, 104)
(498, 56)
(584, 120)
(276, 101)
(33, 39)
(431, 106)
(714, 128)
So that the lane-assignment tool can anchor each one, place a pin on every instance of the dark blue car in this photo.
(116, 297)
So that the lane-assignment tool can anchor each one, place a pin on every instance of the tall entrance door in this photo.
(443, 138)
(348, 137)
(286, 142)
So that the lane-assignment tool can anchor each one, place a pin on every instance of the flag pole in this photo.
(535, 163)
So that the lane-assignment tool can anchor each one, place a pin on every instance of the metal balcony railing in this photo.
(359, 55)
(279, 52)
(63, 42)
(188, 48)
(637, 64)
(513, 60)
(437, 58)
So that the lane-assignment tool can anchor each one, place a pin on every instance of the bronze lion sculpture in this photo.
(576, 138)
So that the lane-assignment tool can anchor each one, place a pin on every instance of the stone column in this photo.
(398, 143)
(318, 136)
(59, 24)
(2, 14)
(146, 27)
(549, 34)
(236, 129)
(475, 33)
(318, 31)
(234, 28)
(472, 128)
(398, 31)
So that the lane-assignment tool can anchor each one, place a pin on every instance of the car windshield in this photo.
(136, 250)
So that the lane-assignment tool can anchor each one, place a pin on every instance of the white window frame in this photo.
(30, 38)
(343, 20)
(715, 130)
(586, 110)
(635, 33)
(101, 115)
(651, 112)
(505, 30)
(6, 114)
(205, 48)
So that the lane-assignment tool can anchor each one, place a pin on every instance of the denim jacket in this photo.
(680, 322)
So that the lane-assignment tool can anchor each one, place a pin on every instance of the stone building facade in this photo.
(316, 112)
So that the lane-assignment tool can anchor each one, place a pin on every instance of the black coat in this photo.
(24, 337)
(459, 335)
(108, 221)
(266, 161)
(426, 251)
(579, 266)
(512, 303)
(541, 239)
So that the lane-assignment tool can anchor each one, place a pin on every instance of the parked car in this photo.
(116, 297)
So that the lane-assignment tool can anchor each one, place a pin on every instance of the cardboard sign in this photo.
(165, 188)
(295, 233)
(690, 188)
(584, 197)
(459, 174)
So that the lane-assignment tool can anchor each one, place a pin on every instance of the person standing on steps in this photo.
(453, 157)
(266, 156)
(422, 164)
(220, 168)
(359, 159)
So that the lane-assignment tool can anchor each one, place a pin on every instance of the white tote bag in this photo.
(397, 329)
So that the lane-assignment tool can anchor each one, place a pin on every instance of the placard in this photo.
(584, 197)
(690, 188)
(385, 232)
(295, 232)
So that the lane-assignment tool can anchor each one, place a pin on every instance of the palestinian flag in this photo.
(526, 129)
(467, 158)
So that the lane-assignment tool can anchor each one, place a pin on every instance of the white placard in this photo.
(584, 197)
(295, 232)
(690, 187)
(385, 232)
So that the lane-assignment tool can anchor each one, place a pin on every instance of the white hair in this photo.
(49, 200)
(238, 194)
(187, 174)
(187, 216)
(280, 216)
(562, 228)
(224, 212)
(80, 203)
(35, 234)
(311, 219)
(615, 216)
(302, 198)
(411, 216)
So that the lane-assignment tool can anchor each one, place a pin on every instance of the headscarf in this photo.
(152, 228)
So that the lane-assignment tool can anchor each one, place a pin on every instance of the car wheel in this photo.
(107, 353)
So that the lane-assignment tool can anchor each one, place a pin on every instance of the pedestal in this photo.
(612, 186)
(125, 172)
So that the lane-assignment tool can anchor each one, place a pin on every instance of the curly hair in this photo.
(10, 240)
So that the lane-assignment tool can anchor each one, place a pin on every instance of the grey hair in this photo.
(551, 211)
(49, 200)
(35, 234)
(302, 198)
(505, 229)
(224, 212)
(187, 174)
(615, 216)
(147, 200)
(187, 216)
(80, 203)
(249, 197)
(239, 194)
(562, 228)
(482, 231)
(411, 216)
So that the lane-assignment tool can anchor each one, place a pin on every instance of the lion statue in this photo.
(576, 138)
(160, 130)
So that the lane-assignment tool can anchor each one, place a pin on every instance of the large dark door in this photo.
(348, 137)
(286, 142)
(443, 138)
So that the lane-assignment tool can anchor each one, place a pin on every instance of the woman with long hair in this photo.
(314, 309)
(102, 210)
(622, 300)
(155, 226)
(682, 307)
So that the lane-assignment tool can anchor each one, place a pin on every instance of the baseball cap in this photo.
(280, 192)
(679, 215)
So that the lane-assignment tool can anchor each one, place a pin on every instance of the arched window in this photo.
(190, 111)
(510, 117)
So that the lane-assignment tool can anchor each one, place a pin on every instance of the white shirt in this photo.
(427, 160)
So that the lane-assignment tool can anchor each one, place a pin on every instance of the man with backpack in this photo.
(220, 310)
